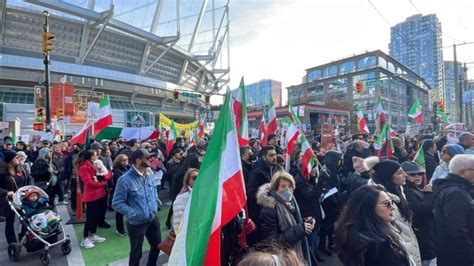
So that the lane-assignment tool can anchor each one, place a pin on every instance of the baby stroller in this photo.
(36, 235)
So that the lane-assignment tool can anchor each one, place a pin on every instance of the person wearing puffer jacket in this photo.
(447, 153)
(389, 174)
(181, 200)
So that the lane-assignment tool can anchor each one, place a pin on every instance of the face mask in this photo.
(201, 159)
(182, 144)
(76, 151)
(286, 195)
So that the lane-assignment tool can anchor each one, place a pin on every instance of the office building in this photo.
(258, 93)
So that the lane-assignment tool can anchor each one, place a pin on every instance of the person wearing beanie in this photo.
(447, 154)
(420, 201)
(45, 174)
(389, 174)
(12, 178)
(363, 172)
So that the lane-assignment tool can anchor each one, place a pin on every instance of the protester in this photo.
(365, 234)
(45, 174)
(12, 177)
(246, 156)
(24, 164)
(466, 140)
(94, 195)
(399, 151)
(431, 163)
(57, 160)
(120, 167)
(272, 139)
(447, 153)
(421, 203)
(390, 175)
(363, 172)
(136, 197)
(453, 208)
(280, 217)
(69, 172)
(358, 148)
(181, 200)
(276, 256)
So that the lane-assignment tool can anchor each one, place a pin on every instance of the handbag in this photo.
(167, 244)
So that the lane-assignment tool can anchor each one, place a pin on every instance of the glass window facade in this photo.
(346, 67)
(337, 89)
(330, 71)
(316, 92)
(369, 90)
(314, 74)
(366, 62)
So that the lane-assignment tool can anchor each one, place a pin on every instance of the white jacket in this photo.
(178, 208)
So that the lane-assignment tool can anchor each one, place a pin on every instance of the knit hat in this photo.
(30, 192)
(384, 170)
(364, 165)
(9, 156)
(454, 149)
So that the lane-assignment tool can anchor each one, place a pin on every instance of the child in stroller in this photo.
(41, 219)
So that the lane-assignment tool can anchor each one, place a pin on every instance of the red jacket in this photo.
(92, 190)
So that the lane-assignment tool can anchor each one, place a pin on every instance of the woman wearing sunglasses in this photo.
(182, 199)
(390, 175)
(366, 232)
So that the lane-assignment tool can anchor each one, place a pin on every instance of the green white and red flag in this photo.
(415, 112)
(104, 120)
(309, 160)
(172, 136)
(380, 113)
(263, 128)
(217, 196)
(384, 138)
(271, 119)
(420, 157)
(291, 137)
(292, 114)
(441, 116)
(240, 112)
(200, 129)
(361, 123)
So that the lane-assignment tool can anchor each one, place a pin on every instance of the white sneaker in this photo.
(63, 202)
(87, 243)
(96, 238)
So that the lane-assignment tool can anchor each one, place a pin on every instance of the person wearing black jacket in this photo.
(262, 173)
(421, 203)
(272, 139)
(44, 173)
(454, 215)
(358, 148)
(119, 168)
(308, 194)
(246, 155)
(431, 163)
(69, 173)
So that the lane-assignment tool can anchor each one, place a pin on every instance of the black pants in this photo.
(52, 191)
(72, 195)
(10, 226)
(136, 234)
(119, 221)
(94, 215)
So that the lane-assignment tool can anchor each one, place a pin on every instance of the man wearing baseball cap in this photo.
(136, 197)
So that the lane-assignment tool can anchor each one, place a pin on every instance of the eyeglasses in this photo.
(416, 174)
(388, 204)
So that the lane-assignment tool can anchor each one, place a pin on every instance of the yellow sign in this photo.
(166, 122)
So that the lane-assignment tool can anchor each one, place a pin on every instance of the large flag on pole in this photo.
(263, 128)
(291, 137)
(380, 114)
(292, 115)
(218, 195)
(240, 112)
(105, 116)
(384, 138)
(415, 112)
(441, 116)
(172, 136)
(420, 157)
(361, 123)
(309, 159)
(272, 119)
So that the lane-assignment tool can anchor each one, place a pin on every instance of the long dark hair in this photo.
(85, 156)
(392, 188)
(359, 222)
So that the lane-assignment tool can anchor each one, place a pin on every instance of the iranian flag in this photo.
(415, 112)
(202, 122)
(218, 196)
(12, 136)
(362, 124)
(272, 119)
(240, 112)
(105, 116)
(380, 113)
(127, 133)
(172, 136)
(291, 137)
(384, 138)
(309, 159)
(420, 157)
(292, 115)
(262, 129)
(441, 116)
(80, 137)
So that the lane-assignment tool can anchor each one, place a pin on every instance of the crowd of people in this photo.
(356, 203)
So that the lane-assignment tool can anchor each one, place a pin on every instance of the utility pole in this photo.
(46, 49)
(468, 115)
(457, 89)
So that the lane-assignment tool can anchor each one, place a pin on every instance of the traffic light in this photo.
(38, 126)
(176, 95)
(441, 105)
(207, 98)
(40, 114)
(60, 114)
(359, 88)
(47, 43)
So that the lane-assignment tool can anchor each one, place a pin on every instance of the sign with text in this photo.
(327, 135)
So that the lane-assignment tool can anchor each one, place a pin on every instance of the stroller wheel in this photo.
(14, 251)
(45, 258)
(66, 248)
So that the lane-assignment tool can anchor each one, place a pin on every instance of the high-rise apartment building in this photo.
(452, 99)
(417, 44)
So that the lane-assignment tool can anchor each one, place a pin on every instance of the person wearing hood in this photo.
(330, 178)
(280, 217)
(363, 172)
(447, 154)
(389, 174)
(45, 174)
(454, 215)
(358, 148)
(421, 203)
(261, 174)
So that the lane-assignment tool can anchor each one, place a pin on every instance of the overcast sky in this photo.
(279, 39)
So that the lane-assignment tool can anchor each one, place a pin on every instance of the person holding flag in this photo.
(429, 150)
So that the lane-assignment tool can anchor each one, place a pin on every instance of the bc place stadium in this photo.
(150, 57)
